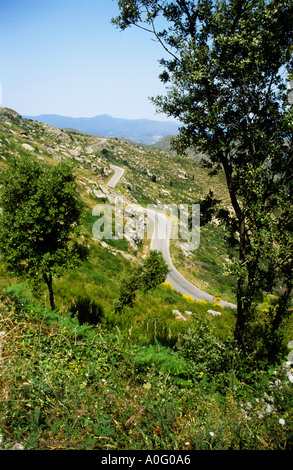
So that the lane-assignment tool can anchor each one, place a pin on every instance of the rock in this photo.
(28, 147)
(176, 312)
(98, 194)
(214, 312)
(178, 315)
(17, 447)
(75, 152)
(187, 313)
(181, 318)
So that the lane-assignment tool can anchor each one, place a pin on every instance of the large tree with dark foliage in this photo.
(226, 67)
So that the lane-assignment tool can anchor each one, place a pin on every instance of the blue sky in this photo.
(65, 57)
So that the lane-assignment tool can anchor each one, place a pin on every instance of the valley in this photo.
(163, 372)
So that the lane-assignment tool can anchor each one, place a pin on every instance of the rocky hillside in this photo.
(151, 176)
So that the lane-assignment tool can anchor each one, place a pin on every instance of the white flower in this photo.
(212, 434)
(268, 408)
(281, 421)
(288, 365)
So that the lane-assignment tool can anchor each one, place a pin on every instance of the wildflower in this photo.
(168, 284)
(187, 297)
(187, 443)
(281, 421)
(288, 365)
(268, 408)
(212, 434)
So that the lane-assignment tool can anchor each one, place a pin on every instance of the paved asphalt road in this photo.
(90, 148)
(116, 177)
(118, 171)
(162, 226)
(161, 243)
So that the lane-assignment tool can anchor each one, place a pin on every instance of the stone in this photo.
(75, 152)
(214, 312)
(178, 315)
(17, 447)
(28, 147)
(187, 313)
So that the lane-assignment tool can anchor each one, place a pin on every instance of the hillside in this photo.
(151, 177)
(144, 131)
(85, 377)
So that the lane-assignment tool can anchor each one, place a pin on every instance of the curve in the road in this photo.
(90, 148)
(162, 224)
(118, 172)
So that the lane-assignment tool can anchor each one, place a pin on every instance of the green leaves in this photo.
(40, 214)
(148, 276)
(226, 85)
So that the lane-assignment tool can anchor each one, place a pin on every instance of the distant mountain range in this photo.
(143, 131)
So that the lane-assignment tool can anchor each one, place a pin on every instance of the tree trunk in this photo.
(279, 317)
(240, 322)
(49, 281)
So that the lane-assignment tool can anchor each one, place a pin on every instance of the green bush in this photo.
(87, 310)
(146, 277)
(207, 355)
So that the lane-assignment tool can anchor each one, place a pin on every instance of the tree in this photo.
(39, 224)
(226, 66)
(148, 276)
(208, 208)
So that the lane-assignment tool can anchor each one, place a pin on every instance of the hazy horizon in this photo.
(66, 58)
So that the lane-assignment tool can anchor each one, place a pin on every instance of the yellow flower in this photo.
(187, 297)
(168, 284)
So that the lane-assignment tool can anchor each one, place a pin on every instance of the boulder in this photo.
(214, 312)
(28, 147)
(178, 315)
(187, 314)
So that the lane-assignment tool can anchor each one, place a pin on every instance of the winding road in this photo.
(90, 148)
(162, 224)
(118, 172)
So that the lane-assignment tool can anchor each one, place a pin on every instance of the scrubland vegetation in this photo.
(87, 376)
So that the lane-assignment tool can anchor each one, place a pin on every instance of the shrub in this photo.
(148, 276)
(87, 310)
(206, 354)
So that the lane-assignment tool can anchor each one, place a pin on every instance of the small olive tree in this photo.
(40, 220)
(148, 276)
